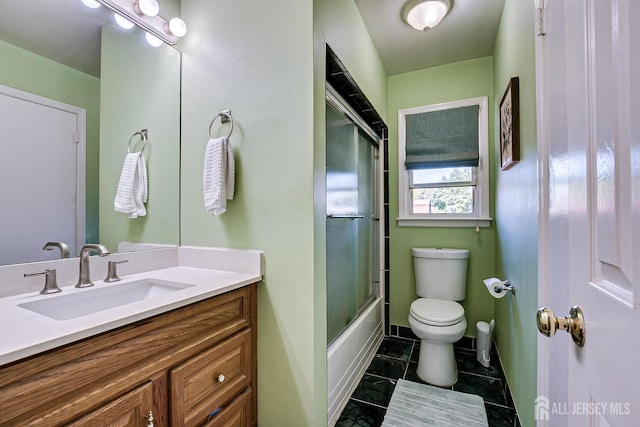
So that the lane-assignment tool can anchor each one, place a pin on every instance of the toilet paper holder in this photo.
(505, 287)
(499, 286)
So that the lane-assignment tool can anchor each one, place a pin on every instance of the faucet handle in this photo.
(112, 273)
(50, 281)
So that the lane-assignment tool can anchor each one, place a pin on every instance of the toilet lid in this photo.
(437, 312)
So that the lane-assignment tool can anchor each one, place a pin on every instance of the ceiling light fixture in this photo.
(144, 14)
(423, 15)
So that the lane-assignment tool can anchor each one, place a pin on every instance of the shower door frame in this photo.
(351, 351)
(337, 102)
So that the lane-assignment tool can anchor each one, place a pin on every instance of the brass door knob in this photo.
(548, 324)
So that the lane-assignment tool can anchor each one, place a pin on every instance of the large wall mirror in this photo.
(74, 65)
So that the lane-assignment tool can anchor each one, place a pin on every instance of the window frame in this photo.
(480, 215)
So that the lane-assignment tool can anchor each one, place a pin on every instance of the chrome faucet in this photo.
(64, 248)
(84, 281)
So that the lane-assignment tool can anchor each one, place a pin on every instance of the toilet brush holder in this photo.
(483, 342)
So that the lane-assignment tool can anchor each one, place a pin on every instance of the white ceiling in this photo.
(467, 32)
(63, 30)
(69, 32)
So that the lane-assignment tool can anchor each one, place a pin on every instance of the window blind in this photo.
(445, 138)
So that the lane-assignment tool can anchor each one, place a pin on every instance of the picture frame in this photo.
(510, 125)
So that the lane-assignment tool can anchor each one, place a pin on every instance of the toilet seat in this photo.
(437, 312)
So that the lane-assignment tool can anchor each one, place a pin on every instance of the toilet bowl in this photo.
(436, 318)
(438, 324)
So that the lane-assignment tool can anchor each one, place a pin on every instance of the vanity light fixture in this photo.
(153, 40)
(177, 27)
(423, 15)
(93, 4)
(144, 13)
(146, 7)
(123, 22)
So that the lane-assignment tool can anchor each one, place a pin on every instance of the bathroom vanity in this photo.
(181, 359)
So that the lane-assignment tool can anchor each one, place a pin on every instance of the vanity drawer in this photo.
(210, 380)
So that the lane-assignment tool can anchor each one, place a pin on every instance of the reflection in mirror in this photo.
(116, 91)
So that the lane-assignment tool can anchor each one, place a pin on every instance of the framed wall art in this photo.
(510, 125)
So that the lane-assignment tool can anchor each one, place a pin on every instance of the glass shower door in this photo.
(352, 226)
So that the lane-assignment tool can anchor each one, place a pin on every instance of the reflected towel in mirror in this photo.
(132, 190)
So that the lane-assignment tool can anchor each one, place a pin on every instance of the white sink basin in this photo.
(95, 299)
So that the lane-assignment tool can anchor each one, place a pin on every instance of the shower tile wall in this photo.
(398, 358)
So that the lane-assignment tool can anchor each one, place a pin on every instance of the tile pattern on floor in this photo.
(398, 358)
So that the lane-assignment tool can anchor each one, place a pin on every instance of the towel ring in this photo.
(143, 136)
(225, 117)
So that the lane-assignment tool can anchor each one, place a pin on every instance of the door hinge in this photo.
(540, 22)
(76, 138)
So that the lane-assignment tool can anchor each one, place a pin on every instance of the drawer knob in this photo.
(221, 378)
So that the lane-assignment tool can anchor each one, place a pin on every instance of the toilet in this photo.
(436, 318)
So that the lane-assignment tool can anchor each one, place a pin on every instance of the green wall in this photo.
(140, 89)
(263, 61)
(255, 58)
(32, 73)
(450, 82)
(516, 212)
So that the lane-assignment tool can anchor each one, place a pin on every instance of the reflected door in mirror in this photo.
(42, 189)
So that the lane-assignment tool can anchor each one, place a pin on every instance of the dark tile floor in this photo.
(398, 358)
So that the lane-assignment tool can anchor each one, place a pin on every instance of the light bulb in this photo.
(177, 27)
(153, 40)
(123, 22)
(93, 4)
(147, 7)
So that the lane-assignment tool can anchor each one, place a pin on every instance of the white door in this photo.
(589, 148)
(41, 176)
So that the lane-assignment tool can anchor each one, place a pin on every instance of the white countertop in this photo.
(25, 333)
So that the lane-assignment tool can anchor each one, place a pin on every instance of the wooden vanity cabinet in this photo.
(129, 410)
(191, 366)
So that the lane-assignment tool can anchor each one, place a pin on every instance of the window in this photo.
(443, 155)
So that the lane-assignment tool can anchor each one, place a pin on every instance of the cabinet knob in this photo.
(150, 419)
(221, 378)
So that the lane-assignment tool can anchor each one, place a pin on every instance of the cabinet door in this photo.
(236, 414)
(204, 384)
(129, 410)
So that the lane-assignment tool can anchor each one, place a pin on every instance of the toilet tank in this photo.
(441, 273)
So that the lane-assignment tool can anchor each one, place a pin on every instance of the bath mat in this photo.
(416, 405)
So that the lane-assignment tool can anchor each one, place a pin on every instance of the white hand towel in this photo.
(230, 172)
(140, 187)
(132, 190)
(218, 175)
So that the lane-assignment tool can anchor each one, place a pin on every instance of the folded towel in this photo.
(218, 176)
(132, 190)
